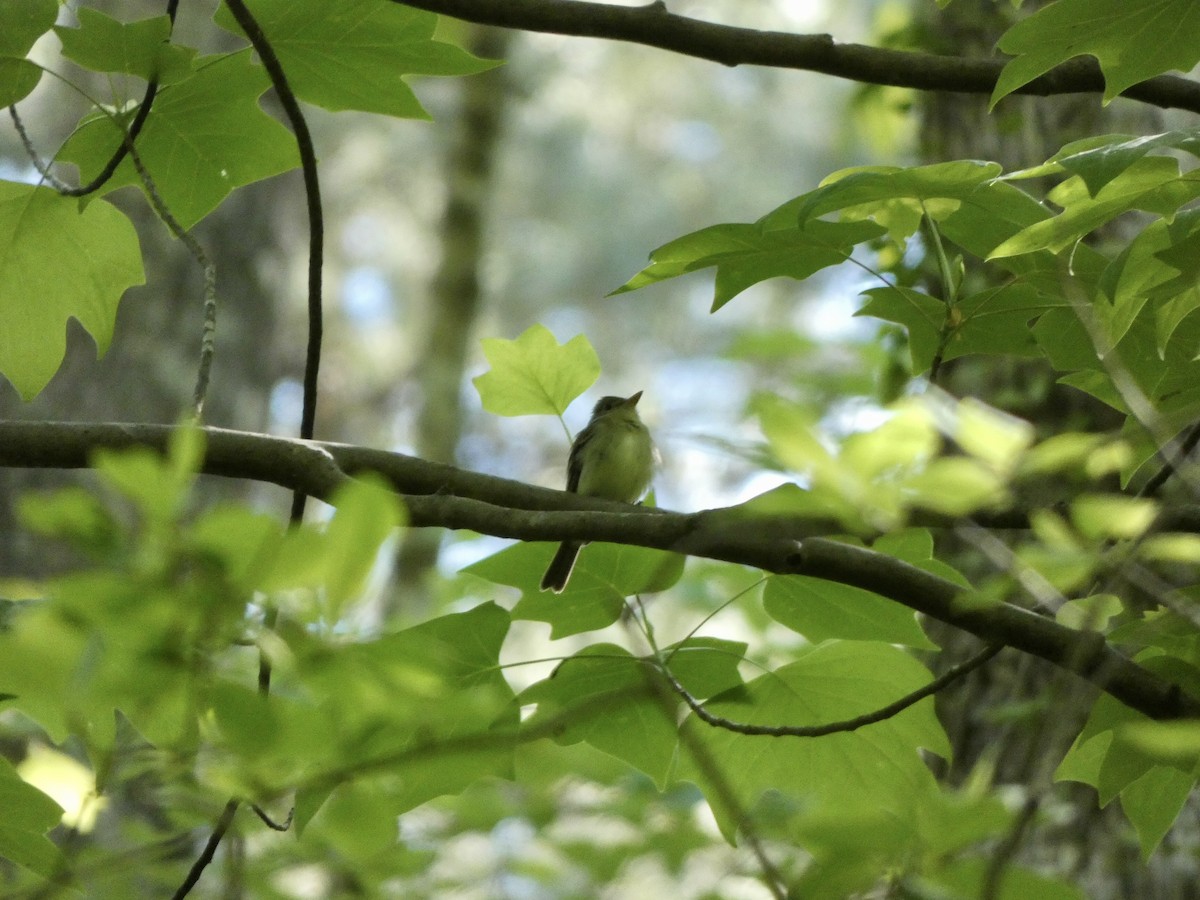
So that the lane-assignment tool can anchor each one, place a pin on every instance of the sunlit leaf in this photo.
(534, 374)
(57, 263)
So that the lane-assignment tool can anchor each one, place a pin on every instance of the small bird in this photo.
(613, 458)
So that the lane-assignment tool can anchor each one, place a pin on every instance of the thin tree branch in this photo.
(653, 26)
(515, 510)
(271, 823)
(810, 731)
(316, 217)
(210, 849)
(208, 330)
(1172, 459)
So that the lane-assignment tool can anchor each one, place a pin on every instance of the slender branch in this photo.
(653, 26)
(31, 151)
(810, 731)
(208, 330)
(515, 510)
(271, 823)
(1172, 459)
(210, 849)
(316, 217)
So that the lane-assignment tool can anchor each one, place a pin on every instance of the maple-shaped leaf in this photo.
(206, 136)
(354, 54)
(1132, 39)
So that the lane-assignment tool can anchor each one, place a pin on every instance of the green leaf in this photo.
(1153, 803)
(705, 665)
(28, 815)
(921, 315)
(535, 375)
(969, 877)
(1132, 39)
(876, 767)
(746, 254)
(604, 575)
(367, 513)
(866, 191)
(821, 610)
(1152, 184)
(956, 486)
(207, 137)
(1117, 745)
(1090, 613)
(38, 658)
(915, 546)
(428, 705)
(997, 321)
(1174, 743)
(354, 54)
(1098, 160)
(607, 697)
(1112, 516)
(18, 78)
(24, 22)
(158, 487)
(358, 821)
(25, 807)
(140, 48)
(58, 263)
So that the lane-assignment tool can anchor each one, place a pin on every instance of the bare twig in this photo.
(810, 731)
(210, 849)
(208, 330)
(271, 823)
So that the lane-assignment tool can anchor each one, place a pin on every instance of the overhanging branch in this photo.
(653, 26)
(439, 495)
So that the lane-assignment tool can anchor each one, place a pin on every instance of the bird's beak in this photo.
(633, 401)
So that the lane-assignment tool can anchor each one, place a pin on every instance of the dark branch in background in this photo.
(811, 731)
(442, 496)
(210, 849)
(271, 823)
(653, 26)
(316, 220)
(1171, 461)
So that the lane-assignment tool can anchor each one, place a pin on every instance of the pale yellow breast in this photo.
(620, 464)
